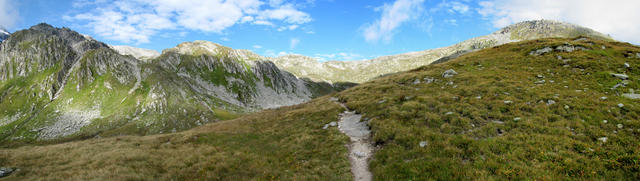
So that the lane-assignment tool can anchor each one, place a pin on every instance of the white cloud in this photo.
(618, 18)
(225, 39)
(293, 43)
(137, 21)
(393, 15)
(257, 46)
(457, 7)
(8, 14)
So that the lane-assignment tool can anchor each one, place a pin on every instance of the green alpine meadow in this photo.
(533, 100)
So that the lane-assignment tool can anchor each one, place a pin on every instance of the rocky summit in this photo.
(57, 83)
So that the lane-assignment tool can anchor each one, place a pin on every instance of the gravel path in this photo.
(360, 148)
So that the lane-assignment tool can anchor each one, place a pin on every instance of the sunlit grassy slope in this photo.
(494, 120)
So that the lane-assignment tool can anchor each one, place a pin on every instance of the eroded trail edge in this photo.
(360, 148)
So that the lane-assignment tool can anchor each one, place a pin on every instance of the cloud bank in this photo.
(137, 21)
(8, 14)
(393, 16)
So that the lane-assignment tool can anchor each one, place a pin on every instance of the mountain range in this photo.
(58, 84)
(543, 109)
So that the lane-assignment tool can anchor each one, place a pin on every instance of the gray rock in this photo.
(569, 48)
(508, 102)
(423, 144)
(603, 98)
(605, 121)
(448, 113)
(550, 102)
(5, 171)
(631, 96)
(331, 124)
(603, 139)
(626, 65)
(621, 76)
(620, 126)
(497, 122)
(428, 80)
(517, 119)
(620, 105)
(540, 82)
(566, 107)
(417, 81)
(449, 73)
(541, 51)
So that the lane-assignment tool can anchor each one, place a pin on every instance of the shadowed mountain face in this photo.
(362, 71)
(58, 83)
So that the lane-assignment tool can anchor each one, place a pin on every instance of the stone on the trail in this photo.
(423, 144)
(5, 171)
(603, 139)
(360, 154)
(449, 73)
(621, 76)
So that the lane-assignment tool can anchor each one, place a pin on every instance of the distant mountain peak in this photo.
(138, 53)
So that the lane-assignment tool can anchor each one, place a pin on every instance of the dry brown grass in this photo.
(283, 144)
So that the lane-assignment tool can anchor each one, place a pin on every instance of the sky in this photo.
(323, 29)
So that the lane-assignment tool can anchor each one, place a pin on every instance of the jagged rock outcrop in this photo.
(365, 70)
(56, 83)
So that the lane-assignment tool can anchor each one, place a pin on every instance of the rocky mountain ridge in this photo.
(57, 83)
(365, 70)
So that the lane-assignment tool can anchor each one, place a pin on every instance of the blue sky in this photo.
(325, 29)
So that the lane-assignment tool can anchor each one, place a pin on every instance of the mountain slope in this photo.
(549, 109)
(4, 34)
(56, 83)
(362, 71)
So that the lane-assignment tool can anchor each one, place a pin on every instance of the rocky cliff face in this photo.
(56, 83)
(362, 71)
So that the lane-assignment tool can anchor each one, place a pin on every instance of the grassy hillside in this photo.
(496, 119)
